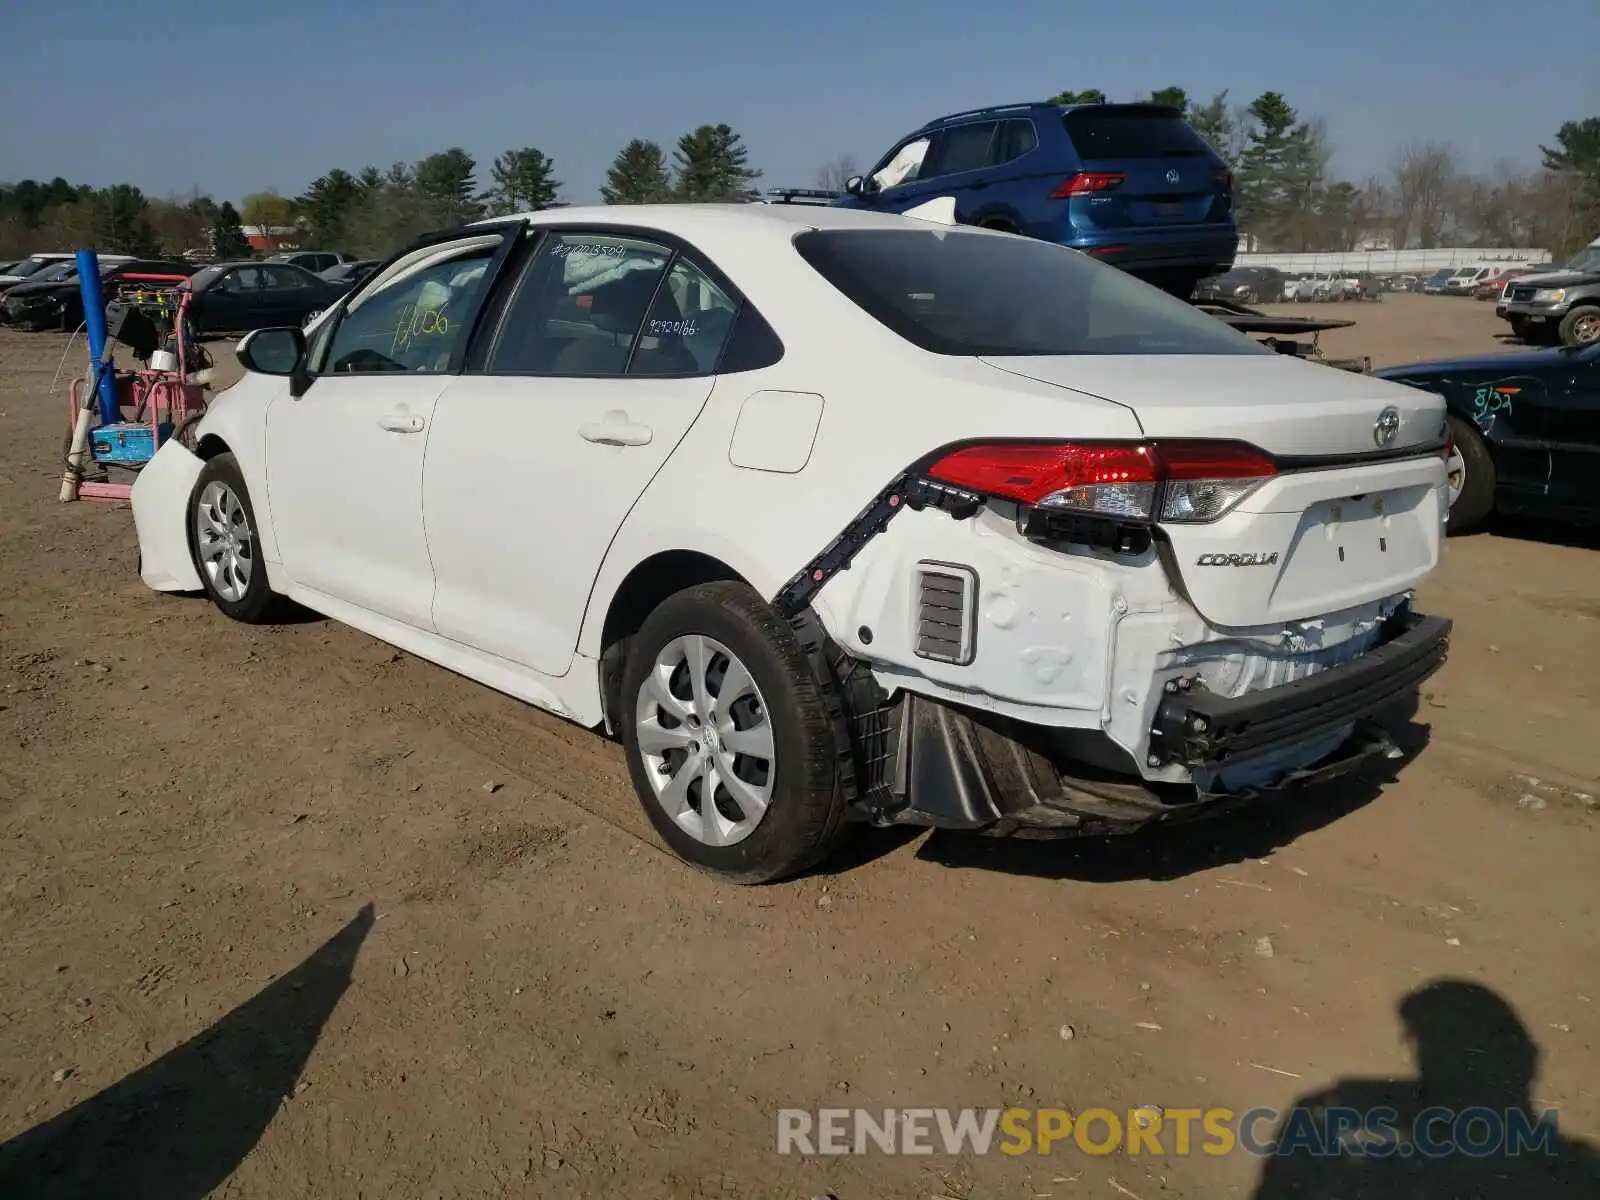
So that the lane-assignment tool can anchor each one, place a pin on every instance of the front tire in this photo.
(1581, 326)
(1472, 479)
(224, 544)
(728, 737)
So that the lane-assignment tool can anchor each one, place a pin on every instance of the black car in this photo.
(349, 274)
(57, 302)
(1243, 285)
(237, 297)
(1526, 428)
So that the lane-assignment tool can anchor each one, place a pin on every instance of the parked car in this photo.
(58, 303)
(1557, 306)
(705, 464)
(38, 268)
(1525, 430)
(1244, 285)
(349, 274)
(1433, 285)
(1132, 184)
(1493, 287)
(1404, 283)
(315, 261)
(239, 296)
(1321, 287)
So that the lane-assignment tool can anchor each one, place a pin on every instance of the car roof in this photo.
(706, 220)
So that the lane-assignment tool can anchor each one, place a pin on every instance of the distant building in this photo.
(270, 238)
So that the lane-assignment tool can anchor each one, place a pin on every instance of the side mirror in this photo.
(277, 351)
(856, 185)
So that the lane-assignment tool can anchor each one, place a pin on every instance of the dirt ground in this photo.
(288, 913)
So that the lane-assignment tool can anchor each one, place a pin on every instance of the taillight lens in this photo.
(1223, 178)
(1085, 182)
(1181, 481)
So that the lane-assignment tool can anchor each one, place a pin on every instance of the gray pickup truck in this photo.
(1557, 306)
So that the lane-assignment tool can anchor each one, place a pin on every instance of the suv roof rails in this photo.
(800, 196)
(989, 111)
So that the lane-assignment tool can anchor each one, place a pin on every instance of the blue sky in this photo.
(266, 96)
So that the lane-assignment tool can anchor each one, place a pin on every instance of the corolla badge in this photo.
(1172, 177)
(1387, 427)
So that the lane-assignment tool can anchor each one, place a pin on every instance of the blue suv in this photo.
(1132, 184)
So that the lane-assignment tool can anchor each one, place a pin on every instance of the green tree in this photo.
(227, 234)
(1574, 161)
(1577, 149)
(1214, 121)
(1281, 174)
(711, 166)
(638, 175)
(124, 226)
(524, 181)
(446, 185)
(1087, 96)
(325, 208)
(1172, 97)
(267, 210)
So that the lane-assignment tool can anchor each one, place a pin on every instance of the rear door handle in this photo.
(616, 433)
(401, 423)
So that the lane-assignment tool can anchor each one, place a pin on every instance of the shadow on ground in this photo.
(1462, 1126)
(178, 1128)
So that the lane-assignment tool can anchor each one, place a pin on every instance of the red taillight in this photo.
(1223, 178)
(1089, 181)
(1200, 479)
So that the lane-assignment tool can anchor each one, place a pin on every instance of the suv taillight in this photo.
(1085, 182)
(1183, 481)
(1223, 178)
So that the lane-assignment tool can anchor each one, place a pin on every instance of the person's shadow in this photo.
(1462, 1129)
(178, 1127)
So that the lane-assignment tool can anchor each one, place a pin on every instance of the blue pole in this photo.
(94, 320)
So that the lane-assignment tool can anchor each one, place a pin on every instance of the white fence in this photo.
(1392, 262)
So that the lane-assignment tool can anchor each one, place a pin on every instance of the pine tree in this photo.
(638, 175)
(446, 183)
(124, 226)
(1172, 97)
(1215, 123)
(710, 167)
(227, 234)
(524, 180)
(326, 206)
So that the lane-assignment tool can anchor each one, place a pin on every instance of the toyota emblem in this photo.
(1387, 427)
(1172, 177)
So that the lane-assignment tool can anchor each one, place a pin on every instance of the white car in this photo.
(833, 516)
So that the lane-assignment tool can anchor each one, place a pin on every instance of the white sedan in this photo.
(833, 517)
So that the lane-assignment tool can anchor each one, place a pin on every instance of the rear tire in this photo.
(225, 546)
(776, 801)
(1519, 328)
(1475, 499)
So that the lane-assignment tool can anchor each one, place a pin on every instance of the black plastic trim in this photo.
(1198, 729)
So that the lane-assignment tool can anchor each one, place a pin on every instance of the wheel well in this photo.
(210, 446)
(1002, 224)
(642, 591)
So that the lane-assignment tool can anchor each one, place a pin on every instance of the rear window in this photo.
(964, 293)
(1098, 133)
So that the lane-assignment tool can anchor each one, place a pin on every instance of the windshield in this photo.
(973, 293)
(1587, 259)
(1440, 276)
(34, 268)
(55, 271)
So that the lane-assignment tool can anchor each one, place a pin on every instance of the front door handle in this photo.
(401, 423)
(616, 433)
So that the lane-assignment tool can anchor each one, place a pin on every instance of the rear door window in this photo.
(1106, 132)
(1017, 137)
(963, 148)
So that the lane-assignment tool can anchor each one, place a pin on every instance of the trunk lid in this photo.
(1279, 403)
(1168, 168)
(1307, 542)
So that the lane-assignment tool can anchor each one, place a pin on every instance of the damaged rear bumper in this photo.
(932, 764)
